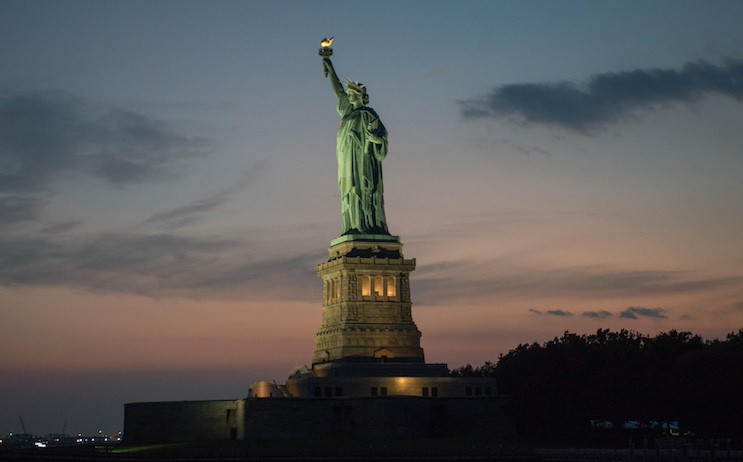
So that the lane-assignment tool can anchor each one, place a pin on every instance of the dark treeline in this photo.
(557, 388)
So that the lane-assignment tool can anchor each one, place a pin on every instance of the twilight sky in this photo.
(168, 183)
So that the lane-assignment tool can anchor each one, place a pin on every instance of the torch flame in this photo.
(326, 42)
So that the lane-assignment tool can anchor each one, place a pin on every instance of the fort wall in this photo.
(314, 418)
(181, 421)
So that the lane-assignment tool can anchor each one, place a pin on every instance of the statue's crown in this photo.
(356, 86)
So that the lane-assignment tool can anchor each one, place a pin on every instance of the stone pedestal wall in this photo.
(366, 303)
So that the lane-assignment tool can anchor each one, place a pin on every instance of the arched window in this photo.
(378, 286)
(365, 286)
(391, 287)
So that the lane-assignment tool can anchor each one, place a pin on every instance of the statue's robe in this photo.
(360, 169)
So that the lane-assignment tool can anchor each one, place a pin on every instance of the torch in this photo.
(325, 51)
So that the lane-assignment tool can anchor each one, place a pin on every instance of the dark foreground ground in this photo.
(373, 450)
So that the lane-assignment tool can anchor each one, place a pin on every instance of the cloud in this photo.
(501, 143)
(61, 227)
(47, 134)
(124, 147)
(190, 213)
(445, 283)
(159, 264)
(14, 209)
(597, 314)
(635, 312)
(555, 313)
(606, 98)
(560, 313)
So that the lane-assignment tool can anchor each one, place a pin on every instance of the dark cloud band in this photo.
(48, 133)
(608, 97)
(194, 211)
(156, 265)
(635, 312)
(597, 314)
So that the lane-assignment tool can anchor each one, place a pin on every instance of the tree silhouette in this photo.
(557, 388)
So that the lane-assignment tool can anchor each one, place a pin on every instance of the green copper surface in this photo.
(361, 146)
(365, 237)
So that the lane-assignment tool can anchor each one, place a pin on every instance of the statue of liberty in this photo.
(361, 147)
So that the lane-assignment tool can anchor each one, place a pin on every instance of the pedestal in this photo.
(366, 303)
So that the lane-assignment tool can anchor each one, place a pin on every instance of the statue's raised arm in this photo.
(335, 82)
(361, 146)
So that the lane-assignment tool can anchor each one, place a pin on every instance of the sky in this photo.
(168, 184)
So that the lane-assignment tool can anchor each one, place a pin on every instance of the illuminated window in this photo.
(365, 286)
(391, 288)
(378, 286)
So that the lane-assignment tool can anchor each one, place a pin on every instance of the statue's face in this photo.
(355, 98)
